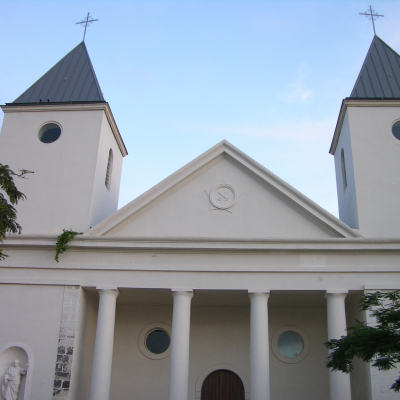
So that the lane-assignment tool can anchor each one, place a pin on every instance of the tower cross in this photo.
(86, 22)
(372, 15)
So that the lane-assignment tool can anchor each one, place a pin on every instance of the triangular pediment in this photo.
(223, 194)
(72, 79)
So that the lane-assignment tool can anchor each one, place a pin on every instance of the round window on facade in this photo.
(155, 340)
(49, 132)
(290, 344)
(396, 130)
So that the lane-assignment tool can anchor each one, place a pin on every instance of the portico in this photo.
(228, 328)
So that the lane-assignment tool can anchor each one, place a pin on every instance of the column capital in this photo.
(251, 291)
(334, 293)
(258, 293)
(105, 291)
(182, 292)
(337, 291)
(114, 288)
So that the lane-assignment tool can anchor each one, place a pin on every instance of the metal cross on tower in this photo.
(371, 14)
(86, 22)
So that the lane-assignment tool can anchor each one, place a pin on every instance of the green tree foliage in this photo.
(379, 344)
(8, 214)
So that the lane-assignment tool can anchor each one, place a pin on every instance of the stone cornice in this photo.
(122, 244)
(73, 107)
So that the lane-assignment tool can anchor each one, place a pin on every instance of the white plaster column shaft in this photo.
(339, 382)
(103, 347)
(179, 357)
(259, 346)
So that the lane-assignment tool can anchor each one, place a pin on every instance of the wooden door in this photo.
(222, 385)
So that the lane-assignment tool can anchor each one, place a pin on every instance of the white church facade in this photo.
(221, 282)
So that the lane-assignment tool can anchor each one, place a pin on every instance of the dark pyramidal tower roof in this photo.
(380, 74)
(71, 79)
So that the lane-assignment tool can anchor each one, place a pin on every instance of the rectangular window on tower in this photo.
(109, 170)
(343, 171)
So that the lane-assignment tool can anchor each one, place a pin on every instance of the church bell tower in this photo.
(366, 146)
(63, 130)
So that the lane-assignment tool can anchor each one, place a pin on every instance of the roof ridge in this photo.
(94, 73)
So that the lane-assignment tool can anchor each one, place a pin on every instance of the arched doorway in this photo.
(222, 385)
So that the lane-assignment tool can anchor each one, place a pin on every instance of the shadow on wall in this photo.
(21, 352)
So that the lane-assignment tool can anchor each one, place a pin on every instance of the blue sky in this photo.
(180, 76)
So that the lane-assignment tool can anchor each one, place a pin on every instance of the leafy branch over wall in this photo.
(63, 240)
(8, 213)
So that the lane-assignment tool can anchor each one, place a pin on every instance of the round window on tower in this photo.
(396, 130)
(49, 132)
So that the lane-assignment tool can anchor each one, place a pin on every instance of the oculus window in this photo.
(49, 132)
(396, 130)
(155, 341)
(290, 344)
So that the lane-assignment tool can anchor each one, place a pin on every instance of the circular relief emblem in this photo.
(223, 196)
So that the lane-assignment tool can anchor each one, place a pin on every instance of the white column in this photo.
(103, 347)
(339, 381)
(259, 346)
(179, 356)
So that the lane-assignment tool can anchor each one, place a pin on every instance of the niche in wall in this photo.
(21, 352)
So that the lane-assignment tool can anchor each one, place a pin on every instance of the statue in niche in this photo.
(12, 380)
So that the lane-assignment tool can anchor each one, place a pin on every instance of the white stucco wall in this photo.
(31, 314)
(59, 192)
(219, 335)
(308, 379)
(67, 188)
(376, 160)
(347, 197)
(133, 374)
(104, 201)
